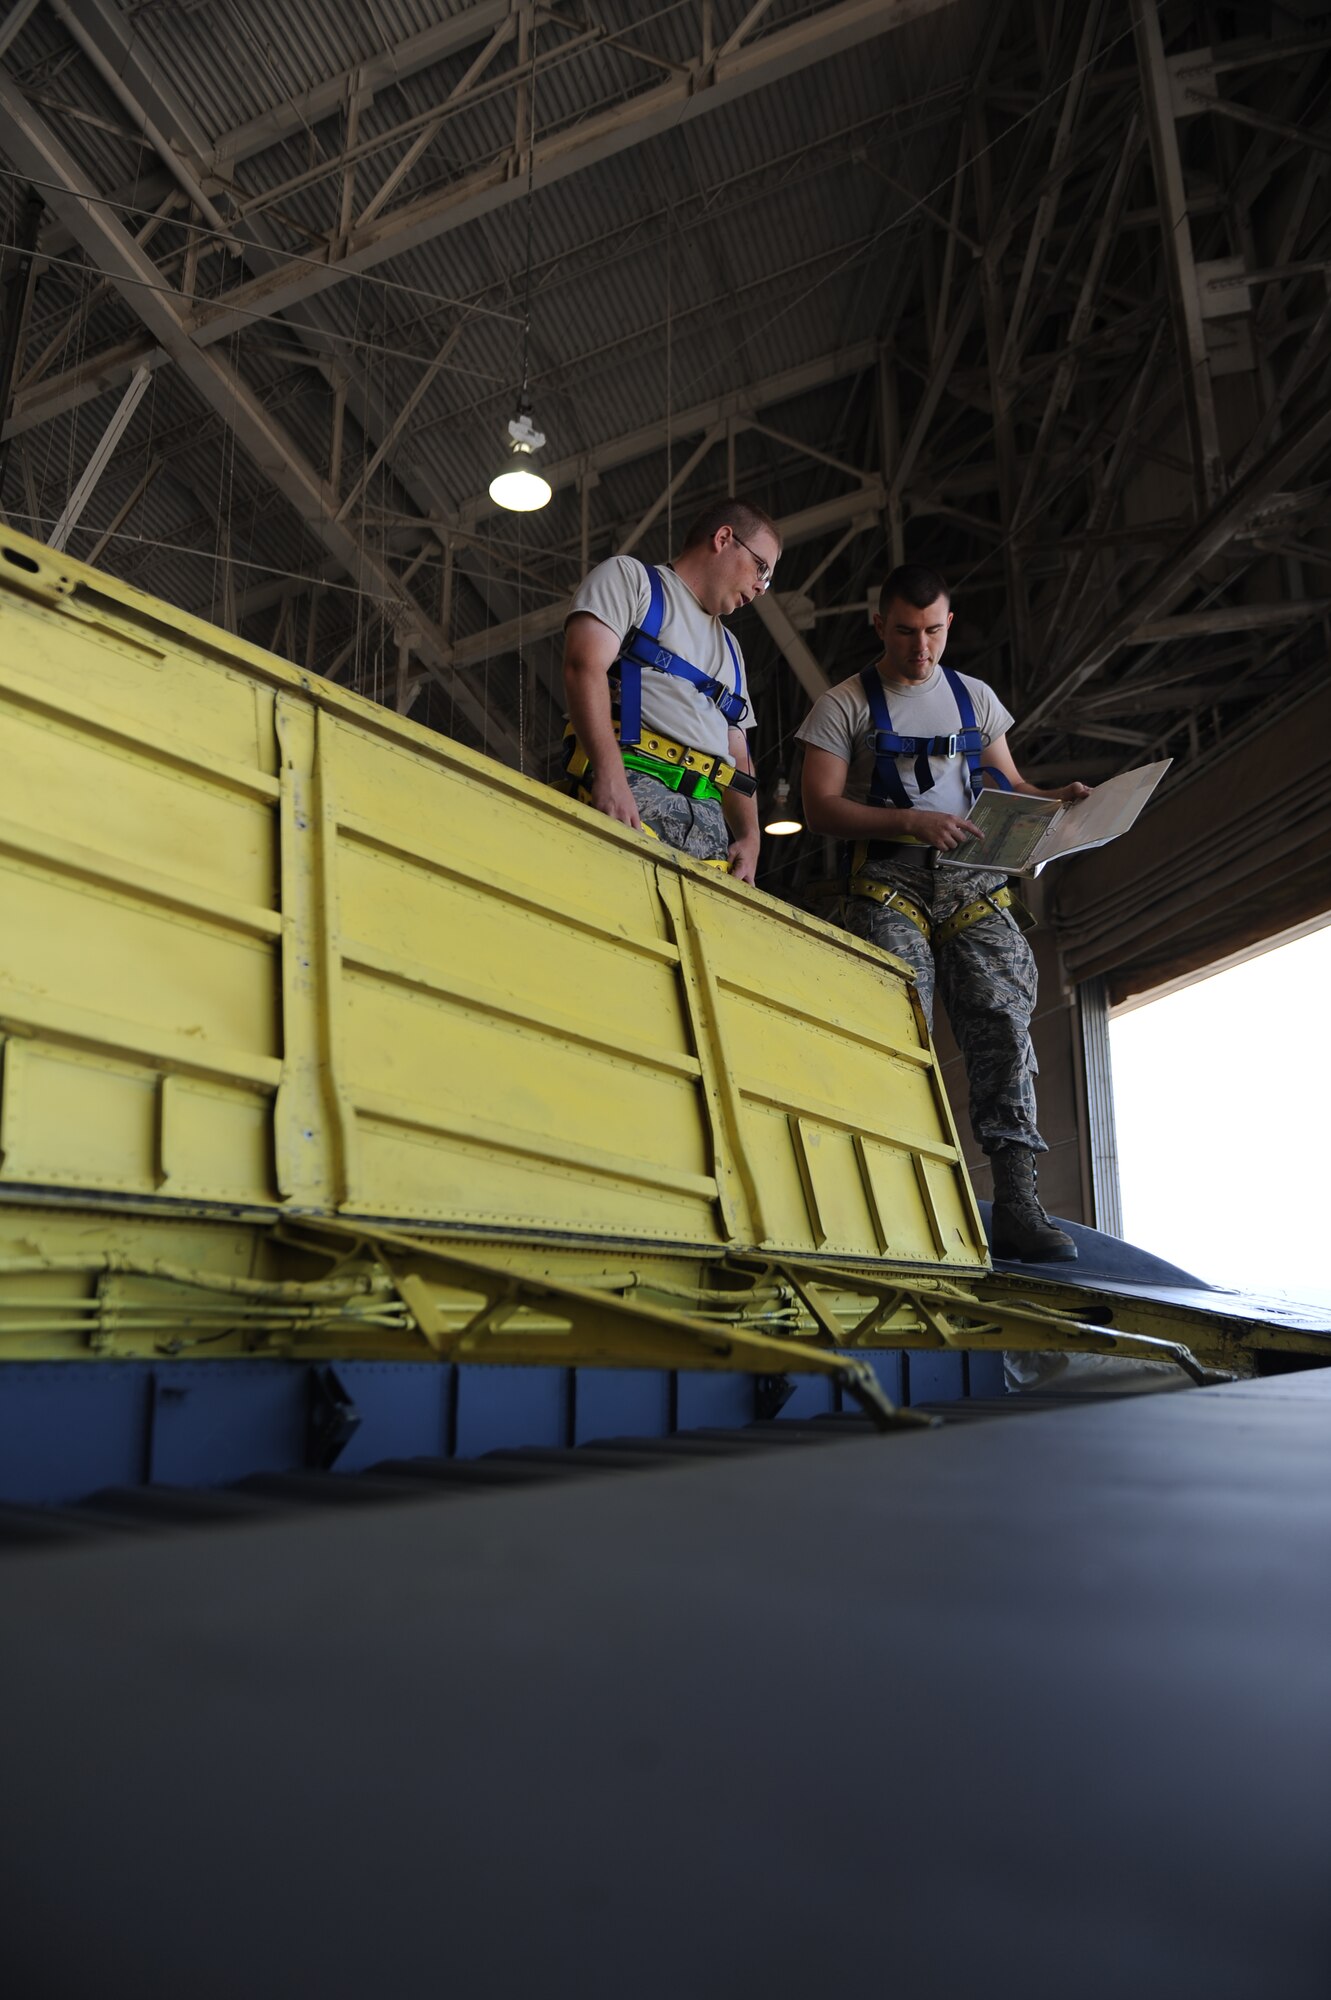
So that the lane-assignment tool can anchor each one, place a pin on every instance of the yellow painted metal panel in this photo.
(66, 785)
(528, 959)
(470, 825)
(93, 946)
(574, 1098)
(78, 1120)
(216, 1143)
(283, 948)
(103, 642)
(823, 1049)
(468, 1179)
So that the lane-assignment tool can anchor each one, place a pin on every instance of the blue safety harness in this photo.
(888, 787)
(642, 651)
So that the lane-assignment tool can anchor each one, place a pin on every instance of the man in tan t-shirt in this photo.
(647, 660)
(885, 771)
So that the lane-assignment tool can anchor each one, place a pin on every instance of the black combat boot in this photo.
(1019, 1226)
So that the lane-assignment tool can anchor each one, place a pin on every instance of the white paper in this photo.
(1017, 843)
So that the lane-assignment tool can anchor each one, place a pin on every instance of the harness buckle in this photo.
(952, 745)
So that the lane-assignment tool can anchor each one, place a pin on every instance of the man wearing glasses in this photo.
(658, 700)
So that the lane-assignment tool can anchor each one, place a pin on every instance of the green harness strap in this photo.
(673, 776)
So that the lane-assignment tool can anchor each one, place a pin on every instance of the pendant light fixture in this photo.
(518, 484)
(782, 819)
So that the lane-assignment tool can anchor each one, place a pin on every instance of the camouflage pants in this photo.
(696, 826)
(986, 975)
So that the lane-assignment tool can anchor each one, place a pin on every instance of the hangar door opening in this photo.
(1222, 1100)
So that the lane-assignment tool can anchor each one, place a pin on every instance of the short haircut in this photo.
(741, 516)
(914, 585)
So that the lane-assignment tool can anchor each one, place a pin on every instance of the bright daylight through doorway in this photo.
(1222, 1096)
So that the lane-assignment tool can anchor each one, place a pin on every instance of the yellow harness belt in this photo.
(666, 751)
(578, 764)
(961, 920)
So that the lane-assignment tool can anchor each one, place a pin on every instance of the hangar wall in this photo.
(1226, 859)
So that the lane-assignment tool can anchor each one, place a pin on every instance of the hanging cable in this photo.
(531, 189)
(517, 485)
(670, 384)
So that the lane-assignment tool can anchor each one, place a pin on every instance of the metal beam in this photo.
(113, 78)
(123, 511)
(296, 115)
(393, 431)
(1079, 325)
(14, 21)
(1234, 618)
(427, 135)
(792, 644)
(939, 378)
(1180, 269)
(1301, 135)
(99, 461)
(105, 240)
(1300, 443)
(214, 162)
(1059, 165)
(1106, 495)
(18, 301)
(42, 402)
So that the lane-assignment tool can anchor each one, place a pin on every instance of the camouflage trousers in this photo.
(986, 975)
(696, 826)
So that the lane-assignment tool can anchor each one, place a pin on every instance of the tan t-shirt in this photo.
(617, 592)
(840, 721)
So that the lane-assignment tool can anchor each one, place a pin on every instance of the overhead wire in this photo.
(278, 318)
(90, 199)
(522, 393)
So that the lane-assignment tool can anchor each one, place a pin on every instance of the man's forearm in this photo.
(741, 814)
(848, 818)
(1068, 794)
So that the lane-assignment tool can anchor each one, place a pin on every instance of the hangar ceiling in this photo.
(1038, 293)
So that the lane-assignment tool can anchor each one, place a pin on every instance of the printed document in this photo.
(1023, 835)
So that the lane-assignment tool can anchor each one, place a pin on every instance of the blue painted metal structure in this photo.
(66, 1432)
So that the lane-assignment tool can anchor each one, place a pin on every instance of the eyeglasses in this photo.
(764, 569)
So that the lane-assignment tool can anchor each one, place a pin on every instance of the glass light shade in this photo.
(519, 489)
(782, 820)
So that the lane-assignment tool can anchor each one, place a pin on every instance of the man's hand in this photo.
(1069, 794)
(941, 830)
(612, 796)
(744, 856)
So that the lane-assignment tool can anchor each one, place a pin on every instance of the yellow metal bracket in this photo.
(852, 1307)
(467, 1308)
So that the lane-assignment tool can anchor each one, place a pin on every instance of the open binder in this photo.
(1022, 835)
